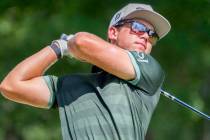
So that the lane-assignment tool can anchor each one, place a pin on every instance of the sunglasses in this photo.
(140, 29)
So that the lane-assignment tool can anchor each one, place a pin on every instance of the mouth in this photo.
(140, 46)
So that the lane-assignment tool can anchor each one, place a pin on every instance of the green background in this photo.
(27, 26)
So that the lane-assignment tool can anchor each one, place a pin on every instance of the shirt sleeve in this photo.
(149, 74)
(51, 82)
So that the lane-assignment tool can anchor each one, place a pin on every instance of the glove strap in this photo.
(54, 46)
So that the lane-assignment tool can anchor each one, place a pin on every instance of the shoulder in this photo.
(149, 73)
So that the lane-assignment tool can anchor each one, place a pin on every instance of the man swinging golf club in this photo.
(116, 100)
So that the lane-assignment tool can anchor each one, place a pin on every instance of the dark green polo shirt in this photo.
(100, 106)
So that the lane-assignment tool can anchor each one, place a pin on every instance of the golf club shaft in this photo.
(168, 95)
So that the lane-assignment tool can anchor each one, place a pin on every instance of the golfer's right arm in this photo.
(25, 84)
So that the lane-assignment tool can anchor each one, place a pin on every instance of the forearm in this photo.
(30, 68)
(34, 65)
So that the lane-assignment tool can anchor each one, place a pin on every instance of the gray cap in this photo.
(143, 11)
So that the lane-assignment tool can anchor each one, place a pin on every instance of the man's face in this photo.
(127, 39)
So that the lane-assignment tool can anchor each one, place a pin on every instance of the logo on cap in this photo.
(139, 8)
(117, 16)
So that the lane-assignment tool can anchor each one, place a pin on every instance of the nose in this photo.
(144, 36)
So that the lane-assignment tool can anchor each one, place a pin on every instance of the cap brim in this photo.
(161, 24)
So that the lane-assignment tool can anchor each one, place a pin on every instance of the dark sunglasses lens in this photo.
(138, 28)
(141, 29)
(153, 36)
(153, 40)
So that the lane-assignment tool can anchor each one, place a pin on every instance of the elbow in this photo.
(2, 87)
(6, 89)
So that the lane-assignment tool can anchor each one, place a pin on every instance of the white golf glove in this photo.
(60, 46)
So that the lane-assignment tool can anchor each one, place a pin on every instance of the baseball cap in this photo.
(145, 12)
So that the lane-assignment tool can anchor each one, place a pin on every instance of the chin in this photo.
(140, 50)
(143, 51)
(147, 52)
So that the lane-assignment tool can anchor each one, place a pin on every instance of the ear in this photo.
(112, 34)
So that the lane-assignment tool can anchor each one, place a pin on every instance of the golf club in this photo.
(168, 95)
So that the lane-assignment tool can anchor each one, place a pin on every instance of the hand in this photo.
(62, 45)
(65, 48)
(66, 37)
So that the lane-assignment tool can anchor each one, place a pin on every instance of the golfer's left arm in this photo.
(109, 57)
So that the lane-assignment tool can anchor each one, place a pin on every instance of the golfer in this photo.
(113, 102)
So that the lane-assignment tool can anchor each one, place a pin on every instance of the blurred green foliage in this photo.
(27, 26)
